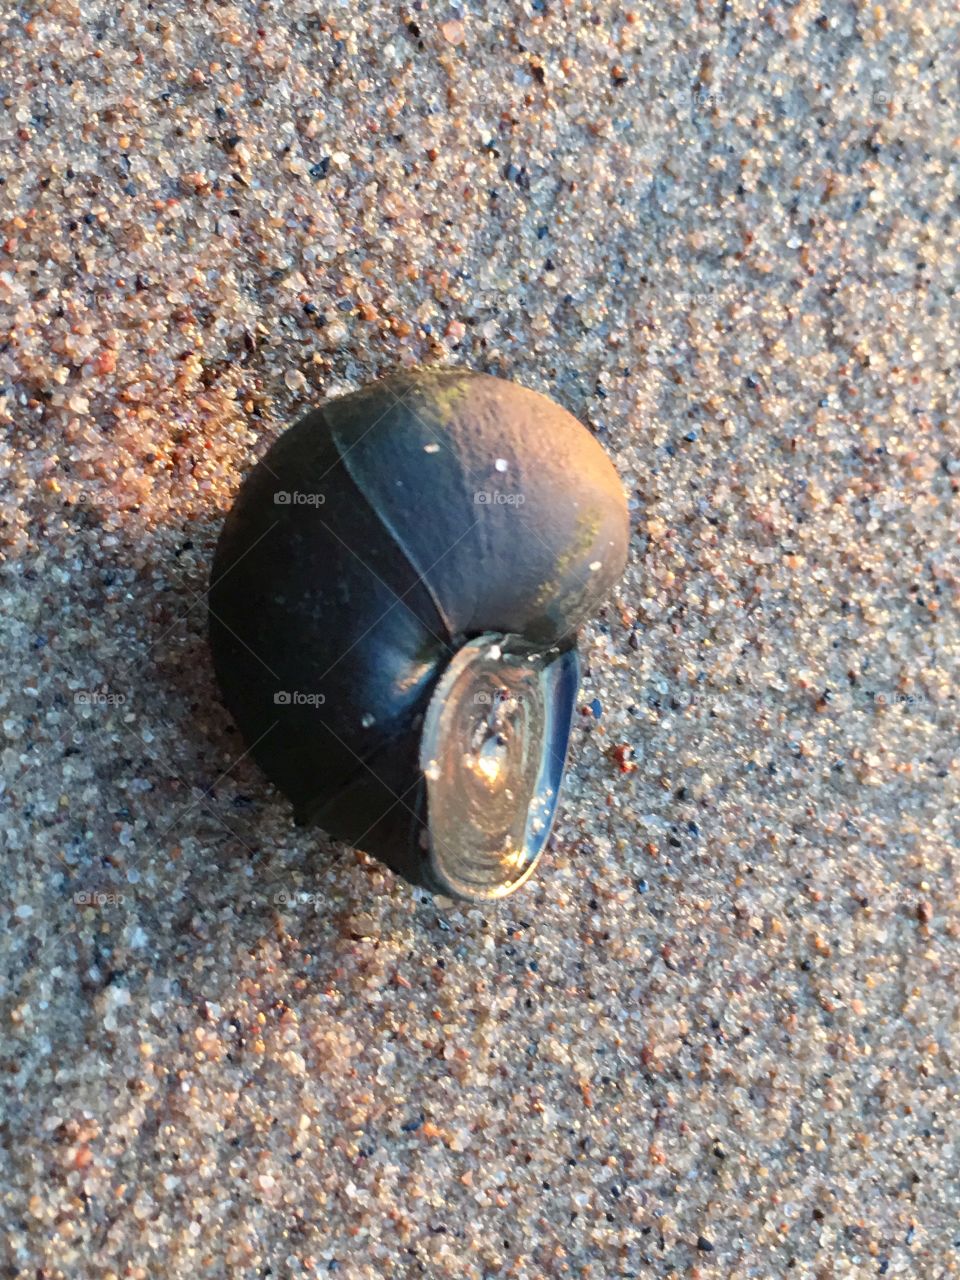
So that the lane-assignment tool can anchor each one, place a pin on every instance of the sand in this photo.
(718, 1035)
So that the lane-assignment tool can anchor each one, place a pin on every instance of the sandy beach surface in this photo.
(718, 1035)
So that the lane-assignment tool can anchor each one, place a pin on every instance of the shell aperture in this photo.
(493, 749)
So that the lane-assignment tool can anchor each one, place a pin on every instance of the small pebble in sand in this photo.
(453, 32)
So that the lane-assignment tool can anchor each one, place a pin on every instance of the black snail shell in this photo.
(394, 604)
